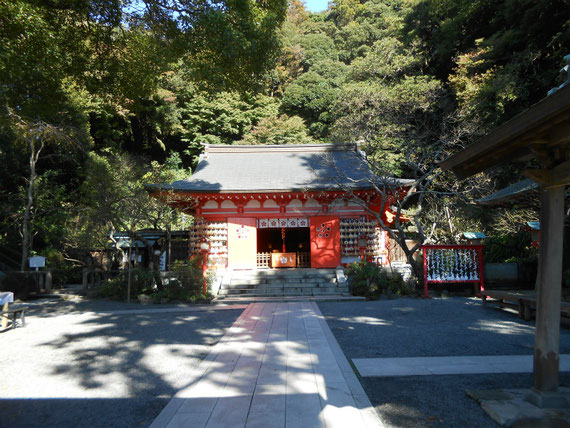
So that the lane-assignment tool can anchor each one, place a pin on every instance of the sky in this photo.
(316, 5)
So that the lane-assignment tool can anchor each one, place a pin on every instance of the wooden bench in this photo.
(524, 301)
(13, 314)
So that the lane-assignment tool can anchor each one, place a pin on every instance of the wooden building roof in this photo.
(278, 168)
(525, 192)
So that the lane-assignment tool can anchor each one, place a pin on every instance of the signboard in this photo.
(37, 262)
(283, 260)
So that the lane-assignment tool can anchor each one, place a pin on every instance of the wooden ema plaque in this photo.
(279, 260)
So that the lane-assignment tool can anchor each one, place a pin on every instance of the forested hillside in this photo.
(99, 97)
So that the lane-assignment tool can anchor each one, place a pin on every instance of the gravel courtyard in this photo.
(108, 364)
(432, 328)
(74, 365)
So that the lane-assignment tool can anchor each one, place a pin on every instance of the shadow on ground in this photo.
(95, 412)
(429, 328)
(102, 369)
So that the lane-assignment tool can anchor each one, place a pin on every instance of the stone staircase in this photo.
(283, 283)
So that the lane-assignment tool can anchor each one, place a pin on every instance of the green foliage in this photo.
(63, 272)
(311, 97)
(358, 25)
(279, 130)
(231, 43)
(222, 118)
(387, 59)
(501, 56)
(371, 281)
(502, 248)
(189, 281)
(394, 119)
(185, 286)
(142, 282)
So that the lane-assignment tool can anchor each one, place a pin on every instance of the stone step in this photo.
(290, 278)
(280, 273)
(307, 283)
(283, 282)
(273, 294)
(282, 285)
(240, 300)
(285, 291)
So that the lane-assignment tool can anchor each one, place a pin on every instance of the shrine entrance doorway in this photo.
(292, 241)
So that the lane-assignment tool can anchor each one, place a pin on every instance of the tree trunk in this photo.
(417, 269)
(26, 227)
(169, 254)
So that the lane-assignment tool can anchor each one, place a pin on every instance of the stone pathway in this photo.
(278, 366)
(421, 366)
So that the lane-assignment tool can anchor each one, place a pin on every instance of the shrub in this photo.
(189, 281)
(186, 285)
(371, 281)
(142, 282)
(67, 275)
(367, 279)
(399, 287)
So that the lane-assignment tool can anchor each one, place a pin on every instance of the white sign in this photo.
(163, 261)
(37, 262)
(282, 222)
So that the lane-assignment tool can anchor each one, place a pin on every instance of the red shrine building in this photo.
(262, 207)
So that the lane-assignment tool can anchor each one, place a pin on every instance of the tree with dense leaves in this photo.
(279, 130)
(499, 56)
(98, 67)
(35, 137)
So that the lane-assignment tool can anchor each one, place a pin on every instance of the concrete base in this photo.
(548, 400)
(512, 408)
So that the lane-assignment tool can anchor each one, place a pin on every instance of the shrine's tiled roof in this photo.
(279, 168)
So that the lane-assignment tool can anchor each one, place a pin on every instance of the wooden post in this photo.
(85, 278)
(129, 271)
(48, 281)
(547, 336)
(5, 318)
(425, 272)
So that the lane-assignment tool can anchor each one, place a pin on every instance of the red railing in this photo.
(453, 264)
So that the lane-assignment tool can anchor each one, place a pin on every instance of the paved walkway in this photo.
(278, 366)
(425, 366)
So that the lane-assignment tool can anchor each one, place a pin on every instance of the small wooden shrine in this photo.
(285, 206)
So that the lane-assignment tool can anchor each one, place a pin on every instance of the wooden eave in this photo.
(178, 196)
(213, 193)
(541, 132)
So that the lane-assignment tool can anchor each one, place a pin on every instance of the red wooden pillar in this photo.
(481, 279)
